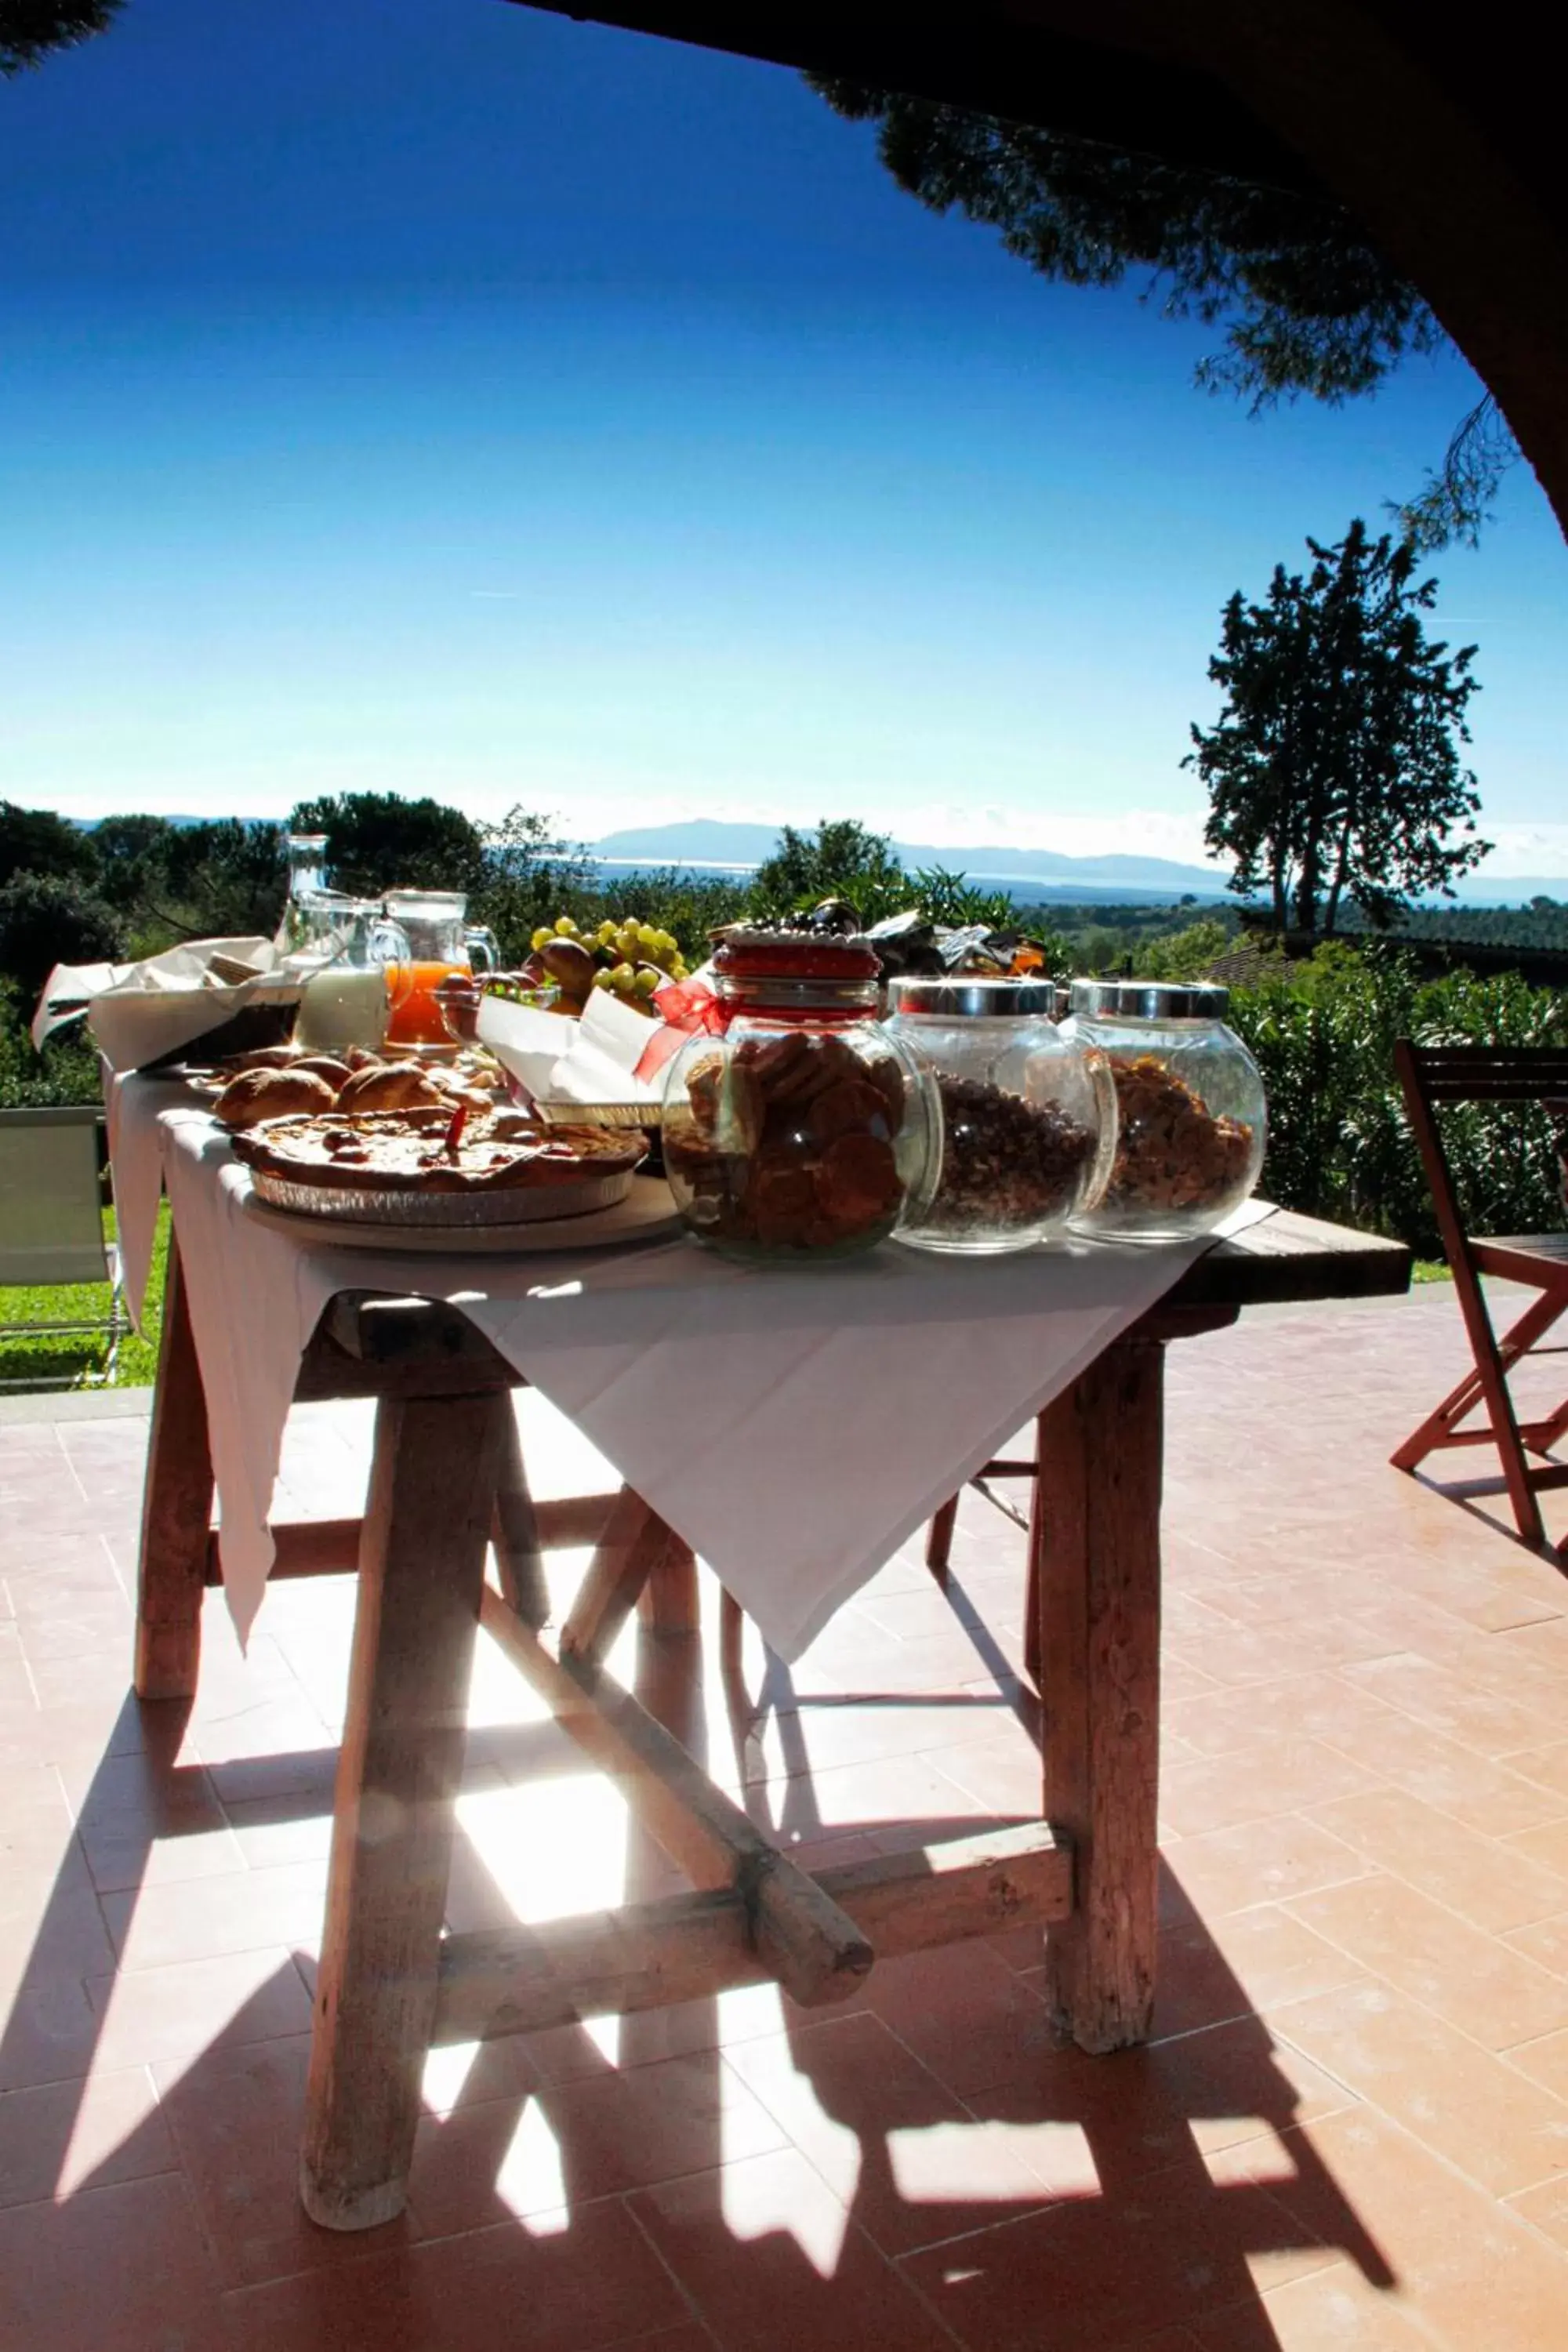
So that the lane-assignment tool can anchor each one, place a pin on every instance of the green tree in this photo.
(947, 898)
(1307, 304)
(45, 919)
(1102, 949)
(29, 29)
(36, 841)
(233, 875)
(377, 841)
(532, 874)
(122, 845)
(1333, 770)
(842, 860)
(1185, 954)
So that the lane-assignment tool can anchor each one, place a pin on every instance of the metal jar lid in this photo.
(957, 999)
(1149, 999)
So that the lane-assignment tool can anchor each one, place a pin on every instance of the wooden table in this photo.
(447, 1479)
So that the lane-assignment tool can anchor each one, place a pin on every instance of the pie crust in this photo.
(415, 1151)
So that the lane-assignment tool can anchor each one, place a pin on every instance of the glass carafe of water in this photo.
(301, 928)
(440, 943)
(357, 975)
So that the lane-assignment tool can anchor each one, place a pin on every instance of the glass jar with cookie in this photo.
(805, 1132)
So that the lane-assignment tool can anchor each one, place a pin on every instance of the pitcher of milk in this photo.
(359, 975)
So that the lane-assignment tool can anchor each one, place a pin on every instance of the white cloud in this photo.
(1524, 849)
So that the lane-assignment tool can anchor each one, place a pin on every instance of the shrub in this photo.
(1182, 955)
(46, 921)
(64, 1071)
(1339, 1144)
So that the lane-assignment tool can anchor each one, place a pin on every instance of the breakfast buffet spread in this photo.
(814, 1090)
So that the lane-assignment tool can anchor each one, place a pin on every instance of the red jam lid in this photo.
(796, 955)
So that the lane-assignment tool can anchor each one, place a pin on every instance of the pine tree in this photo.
(1333, 770)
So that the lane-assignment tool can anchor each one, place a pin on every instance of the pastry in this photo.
(266, 1093)
(323, 1066)
(259, 1058)
(390, 1085)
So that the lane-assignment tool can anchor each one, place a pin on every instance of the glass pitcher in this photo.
(439, 944)
(300, 927)
(357, 977)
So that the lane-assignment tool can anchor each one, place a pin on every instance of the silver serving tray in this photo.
(647, 1216)
(504, 1204)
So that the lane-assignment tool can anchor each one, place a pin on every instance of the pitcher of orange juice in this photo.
(439, 943)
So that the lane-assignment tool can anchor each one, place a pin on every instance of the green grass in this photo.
(77, 1361)
(1430, 1269)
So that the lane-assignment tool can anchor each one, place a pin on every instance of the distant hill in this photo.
(708, 841)
(704, 841)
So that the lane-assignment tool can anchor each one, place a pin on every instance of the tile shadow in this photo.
(924, 2165)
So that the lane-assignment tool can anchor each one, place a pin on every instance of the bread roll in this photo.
(325, 1065)
(393, 1086)
(261, 1057)
(256, 1094)
(457, 1088)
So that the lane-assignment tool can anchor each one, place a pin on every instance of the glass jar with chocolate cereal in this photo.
(1022, 1127)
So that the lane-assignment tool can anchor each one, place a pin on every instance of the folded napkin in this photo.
(140, 1011)
(561, 1059)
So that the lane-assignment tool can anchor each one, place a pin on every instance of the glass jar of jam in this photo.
(1022, 1147)
(803, 1132)
(1191, 1121)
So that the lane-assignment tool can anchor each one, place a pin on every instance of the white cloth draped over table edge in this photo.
(795, 1426)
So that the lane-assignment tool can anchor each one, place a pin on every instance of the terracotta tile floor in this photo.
(1350, 2130)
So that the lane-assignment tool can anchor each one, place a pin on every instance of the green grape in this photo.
(623, 978)
(602, 979)
(565, 929)
(542, 938)
(645, 982)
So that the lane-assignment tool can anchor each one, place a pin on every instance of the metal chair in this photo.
(1432, 1075)
(52, 1220)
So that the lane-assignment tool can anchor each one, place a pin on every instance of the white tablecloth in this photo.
(135, 1105)
(795, 1426)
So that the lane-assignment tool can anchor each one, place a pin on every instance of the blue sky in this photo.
(451, 398)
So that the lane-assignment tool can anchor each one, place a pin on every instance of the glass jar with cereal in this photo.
(1191, 1121)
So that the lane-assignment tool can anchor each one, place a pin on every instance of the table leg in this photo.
(640, 1562)
(939, 1538)
(422, 1564)
(176, 1510)
(1095, 1541)
(668, 1601)
(515, 1535)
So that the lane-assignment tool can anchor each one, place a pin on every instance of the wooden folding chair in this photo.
(1432, 1076)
